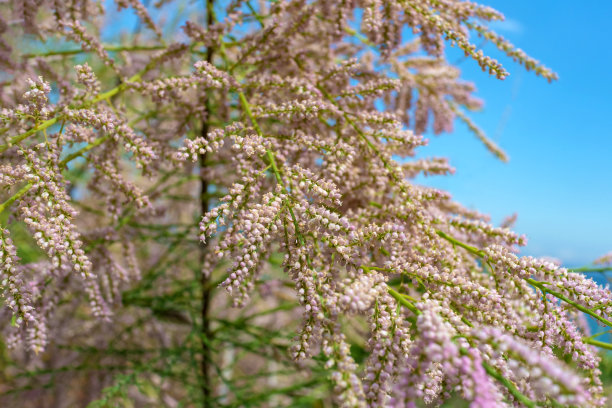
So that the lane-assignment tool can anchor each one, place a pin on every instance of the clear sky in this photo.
(558, 137)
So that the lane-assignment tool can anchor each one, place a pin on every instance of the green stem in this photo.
(83, 150)
(562, 297)
(63, 164)
(403, 301)
(206, 290)
(591, 269)
(465, 246)
(272, 160)
(516, 393)
(598, 334)
(535, 283)
(103, 96)
(597, 343)
(15, 197)
(16, 139)
(109, 48)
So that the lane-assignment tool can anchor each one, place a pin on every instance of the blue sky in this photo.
(558, 137)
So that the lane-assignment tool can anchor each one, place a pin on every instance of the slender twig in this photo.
(100, 97)
(109, 48)
(205, 276)
(560, 296)
(597, 343)
(516, 393)
(591, 269)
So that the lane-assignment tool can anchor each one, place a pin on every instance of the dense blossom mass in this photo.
(267, 149)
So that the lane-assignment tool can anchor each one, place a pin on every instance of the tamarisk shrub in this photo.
(217, 209)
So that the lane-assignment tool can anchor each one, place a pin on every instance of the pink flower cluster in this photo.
(171, 166)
